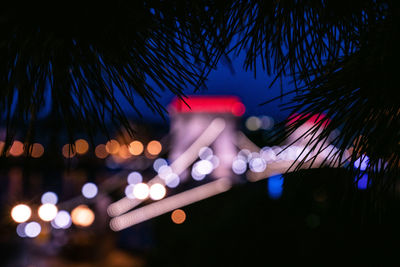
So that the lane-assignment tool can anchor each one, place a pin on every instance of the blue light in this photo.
(361, 163)
(275, 186)
(362, 183)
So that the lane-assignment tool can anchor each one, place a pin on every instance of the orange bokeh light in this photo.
(100, 151)
(124, 152)
(82, 216)
(112, 146)
(136, 148)
(81, 146)
(17, 149)
(37, 150)
(68, 151)
(154, 147)
(178, 216)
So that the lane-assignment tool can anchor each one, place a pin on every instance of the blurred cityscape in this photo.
(174, 195)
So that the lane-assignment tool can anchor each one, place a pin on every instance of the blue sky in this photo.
(252, 91)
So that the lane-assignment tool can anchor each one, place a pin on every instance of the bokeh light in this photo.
(164, 171)
(157, 191)
(275, 186)
(239, 166)
(141, 191)
(89, 190)
(49, 197)
(124, 152)
(47, 212)
(172, 180)
(196, 175)
(100, 151)
(134, 178)
(112, 146)
(238, 109)
(158, 163)
(68, 151)
(204, 167)
(129, 191)
(257, 164)
(37, 150)
(154, 148)
(253, 123)
(62, 220)
(17, 148)
(32, 229)
(135, 148)
(81, 146)
(178, 216)
(21, 213)
(267, 122)
(21, 230)
(205, 153)
(82, 215)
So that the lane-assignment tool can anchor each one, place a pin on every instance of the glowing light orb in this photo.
(47, 212)
(178, 216)
(239, 166)
(49, 197)
(158, 163)
(141, 191)
(205, 153)
(17, 148)
(136, 148)
(62, 220)
(21, 230)
(257, 165)
(196, 175)
(172, 180)
(21, 213)
(134, 178)
(32, 229)
(112, 146)
(100, 151)
(157, 191)
(81, 146)
(82, 216)
(37, 150)
(129, 191)
(164, 171)
(89, 190)
(204, 167)
(154, 148)
(253, 123)
(267, 122)
(68, 151)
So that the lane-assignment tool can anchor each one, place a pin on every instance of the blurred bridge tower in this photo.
(190, 119)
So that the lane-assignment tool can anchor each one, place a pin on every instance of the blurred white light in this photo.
(134, 178)
(205, 152)
(158, 163)
(32, 229)
(362, 163)
(244, 153)
(214, 161)
(268, 154)
(204, 167)
(49, 197)
(21, 230)
(257, 165)
(164, 171)
(62, 220)
(172, 180)
(141, 191)
(253, 123)
(47, 212)
(267, 122)
(89, 190)
(21, 213)
(239, 166)
(196, 175)
(253, 155)
(157, 191)
(129, 191)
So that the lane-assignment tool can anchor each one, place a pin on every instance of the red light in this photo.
(209, 104)
(316, 118)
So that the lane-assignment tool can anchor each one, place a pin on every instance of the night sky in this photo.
(222, 81)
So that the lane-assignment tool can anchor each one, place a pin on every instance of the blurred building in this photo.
(189, 120)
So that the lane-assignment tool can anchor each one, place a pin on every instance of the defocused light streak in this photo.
(171, 203)
(178, 166)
